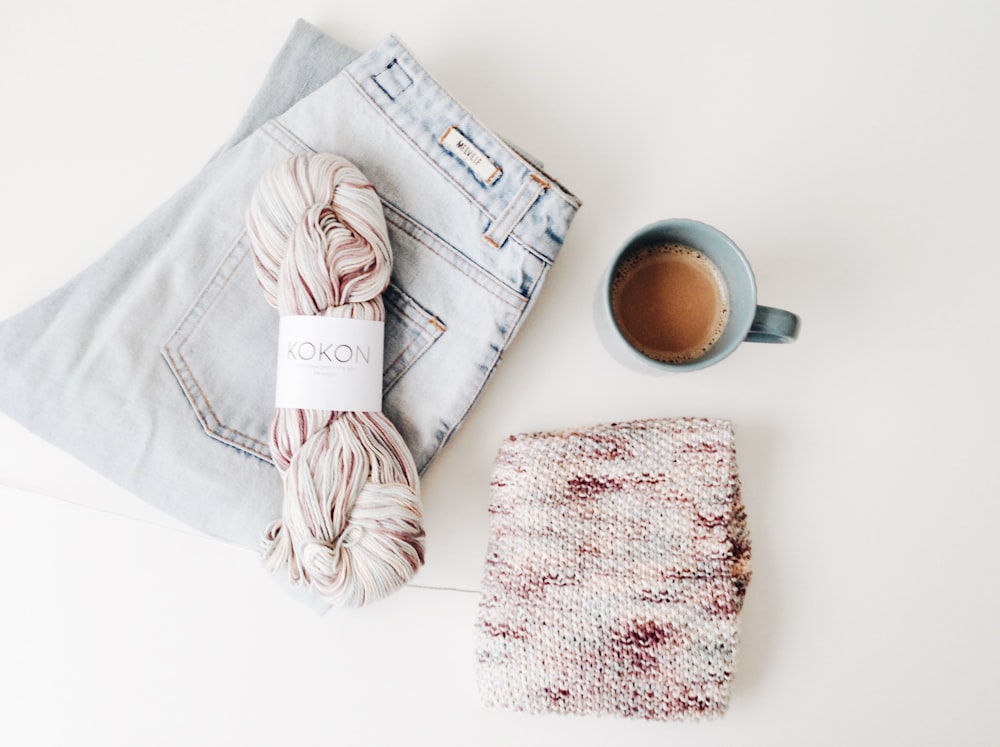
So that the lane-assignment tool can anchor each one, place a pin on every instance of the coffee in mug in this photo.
(670, 302)
(679, 295)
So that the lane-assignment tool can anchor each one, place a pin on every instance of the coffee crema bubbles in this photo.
(670, 302)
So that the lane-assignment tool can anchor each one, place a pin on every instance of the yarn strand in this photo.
(351, 526)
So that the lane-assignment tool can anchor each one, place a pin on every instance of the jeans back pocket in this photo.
(223, 352)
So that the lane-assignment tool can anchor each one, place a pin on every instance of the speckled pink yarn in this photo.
(351, 524)
(616, 568)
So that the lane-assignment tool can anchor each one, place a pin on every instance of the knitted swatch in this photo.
(617, 563)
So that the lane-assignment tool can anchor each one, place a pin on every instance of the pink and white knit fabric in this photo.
(617, 564)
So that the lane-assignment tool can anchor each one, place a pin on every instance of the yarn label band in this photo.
(329, 364)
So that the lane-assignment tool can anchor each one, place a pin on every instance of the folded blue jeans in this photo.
(156, 365)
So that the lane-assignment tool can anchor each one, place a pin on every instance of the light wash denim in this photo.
(156, 365)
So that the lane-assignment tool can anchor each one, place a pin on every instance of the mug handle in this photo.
(773, 325)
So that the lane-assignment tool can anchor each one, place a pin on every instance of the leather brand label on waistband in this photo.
(466, 151)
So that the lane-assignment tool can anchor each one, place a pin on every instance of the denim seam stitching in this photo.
(535, 283)
(221, 277)
(221, 430)
(426, 334)
(406, 136)
(357, 84)
(276, 130)
(293, 136)
(209, 421)
(405, 308)
(415, 353)
(400, 223)
(471, 277)
(488, 374)
(184, 373)
(437, 167)
(518, 207)
(526, 246)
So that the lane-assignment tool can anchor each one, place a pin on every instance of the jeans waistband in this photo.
(519, 201)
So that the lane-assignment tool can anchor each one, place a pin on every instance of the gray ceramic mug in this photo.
(743, 319)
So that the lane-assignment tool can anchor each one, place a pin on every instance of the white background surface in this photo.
(851, 149)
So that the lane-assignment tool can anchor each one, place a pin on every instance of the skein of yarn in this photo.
(351, 523)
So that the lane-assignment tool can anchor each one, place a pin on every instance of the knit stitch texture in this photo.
(617, 564)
